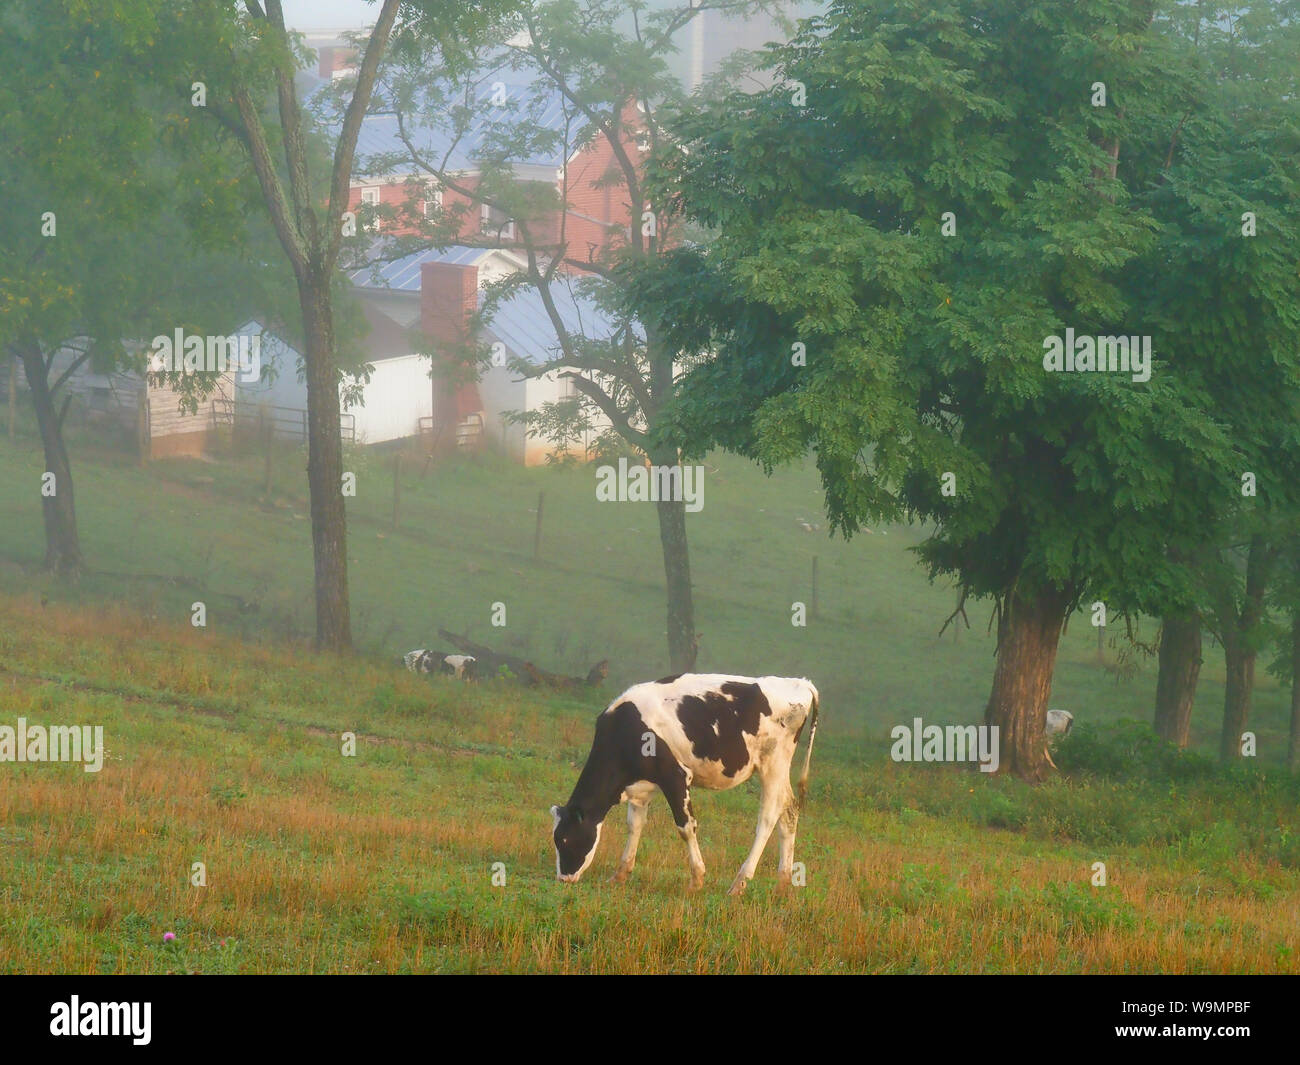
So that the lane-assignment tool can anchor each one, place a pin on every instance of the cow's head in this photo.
(575, 836)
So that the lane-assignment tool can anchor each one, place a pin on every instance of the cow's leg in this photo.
(638, 802)
(676, 789)
(693, 856)
(785, 835)
(776, 792)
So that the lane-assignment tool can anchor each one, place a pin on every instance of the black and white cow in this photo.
(1059, 723)
(422, 661)
(704, 730)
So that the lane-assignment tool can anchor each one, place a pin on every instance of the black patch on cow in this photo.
(716, 723)
(669, 680)
(617, 759)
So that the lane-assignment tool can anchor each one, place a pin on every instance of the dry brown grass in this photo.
(229, 755)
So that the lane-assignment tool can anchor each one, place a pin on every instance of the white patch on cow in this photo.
(458, 663)
(1059, 722)
(573, 878)
(789, 699)
(412, 659)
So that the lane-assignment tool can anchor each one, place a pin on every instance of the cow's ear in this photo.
(577, 816)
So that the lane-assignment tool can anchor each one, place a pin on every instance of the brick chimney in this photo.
(335, 59)
(448, 298)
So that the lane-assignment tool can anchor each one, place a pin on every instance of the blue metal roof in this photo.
(522, 324)
(536, 105)
(404, 274)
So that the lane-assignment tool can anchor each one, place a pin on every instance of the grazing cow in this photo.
(1059, 722)
(422, 661)
(705, 730)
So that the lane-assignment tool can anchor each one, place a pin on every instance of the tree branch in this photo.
(341, 177)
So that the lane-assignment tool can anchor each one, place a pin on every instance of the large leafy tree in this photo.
(110, 234)
(248, 57)
(928, 195)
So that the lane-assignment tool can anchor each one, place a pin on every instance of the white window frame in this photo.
(432, 195)
(506, 230)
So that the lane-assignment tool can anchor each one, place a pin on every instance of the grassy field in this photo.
(224, 748)
(161, 538)
(230, 755)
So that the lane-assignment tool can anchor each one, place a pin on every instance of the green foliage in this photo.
(924, 351)
(1089, 911)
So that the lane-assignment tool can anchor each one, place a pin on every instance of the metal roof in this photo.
(522, 324)
(403, 274)
(537, 105)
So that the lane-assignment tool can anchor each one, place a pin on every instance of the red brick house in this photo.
(595, 216)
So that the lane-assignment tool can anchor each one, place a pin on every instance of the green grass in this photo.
(178, 531)
(224, 748)
(230, 755)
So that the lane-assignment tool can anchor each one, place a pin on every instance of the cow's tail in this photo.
(807, 758)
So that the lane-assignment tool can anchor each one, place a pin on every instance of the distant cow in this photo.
(706, 730)
(422, 661)
(1059, 723)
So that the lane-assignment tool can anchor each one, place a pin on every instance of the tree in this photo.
(925, 205)
(250, 56)
(96, 254)
(603, 64)
(1286, 664)
(1179, 668)
(1228, 197)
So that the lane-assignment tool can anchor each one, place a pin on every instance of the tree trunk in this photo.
(1180, 668)
(325, 468)
(682, 646)
(1029, 633)
(1240, 646)
(1239, 662)
(1293, 747)
(62, 545)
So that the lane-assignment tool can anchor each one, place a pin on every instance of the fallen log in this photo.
(490, 662)
(559, 682)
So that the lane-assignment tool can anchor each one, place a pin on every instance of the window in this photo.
(370, 198)
(495, 222)
(432, 202)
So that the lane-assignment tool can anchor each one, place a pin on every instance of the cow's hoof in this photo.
(620, 876)
(697, 882)
(783, 882)
(737, 886)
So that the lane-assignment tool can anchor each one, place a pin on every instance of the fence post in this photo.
(814, 587)
(537, 532)
(397, 488)
(266, 434)
(142, 423)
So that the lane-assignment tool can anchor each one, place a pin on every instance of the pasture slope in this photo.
(228, 753)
